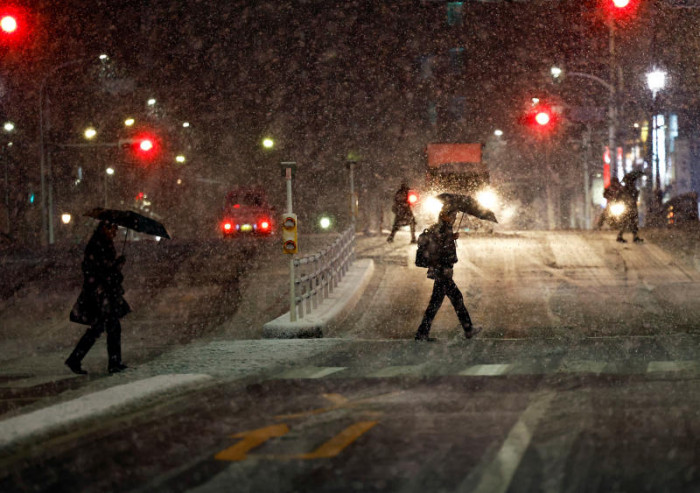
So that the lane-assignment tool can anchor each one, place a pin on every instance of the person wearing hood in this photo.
(403, 215)
(100, 303)
(441, 271)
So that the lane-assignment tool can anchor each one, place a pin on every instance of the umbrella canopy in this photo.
(130, 220)
(632, 176)
(466, 204)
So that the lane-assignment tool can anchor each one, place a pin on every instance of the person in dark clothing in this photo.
(630, 217)
(611, 194)
(100, 303)
(403, 214)
(441, 271)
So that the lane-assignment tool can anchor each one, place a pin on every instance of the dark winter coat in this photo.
(101, 296)
(401, 207)
(446, 255)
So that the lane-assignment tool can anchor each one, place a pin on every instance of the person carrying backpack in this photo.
(437, 251)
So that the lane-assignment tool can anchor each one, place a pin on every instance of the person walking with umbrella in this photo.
(442, 261)
(100, 303)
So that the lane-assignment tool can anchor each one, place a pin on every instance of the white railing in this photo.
(317, 275)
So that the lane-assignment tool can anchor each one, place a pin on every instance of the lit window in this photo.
(454, 13)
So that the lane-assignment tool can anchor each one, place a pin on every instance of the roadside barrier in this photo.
(317, 275)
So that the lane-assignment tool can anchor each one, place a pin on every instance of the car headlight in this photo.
(617, 209)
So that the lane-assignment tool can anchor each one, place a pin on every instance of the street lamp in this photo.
(656, 81)
(90, 133)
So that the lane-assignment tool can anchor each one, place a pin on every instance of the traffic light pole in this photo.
(292, 294)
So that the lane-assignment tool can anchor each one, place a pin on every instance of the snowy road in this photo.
(584, 379)
(541, 284)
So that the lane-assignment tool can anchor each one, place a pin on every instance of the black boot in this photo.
(116, 367)
(74, 366)
(81, 349)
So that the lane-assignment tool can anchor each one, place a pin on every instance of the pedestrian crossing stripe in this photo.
(669, 366)
(495, 369)
(486, 370)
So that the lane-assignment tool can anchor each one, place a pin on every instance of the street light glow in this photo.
(8, 126)
(103, 57)
(151, 102)
(129, 122)
(268, 143)
(186, 124)
(556, 72)
(66, 218)
(656, 80)
(109, 171)
(180, 158)
(498, 132)
(90, 133)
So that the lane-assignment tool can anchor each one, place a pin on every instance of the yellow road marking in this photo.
(251, 440)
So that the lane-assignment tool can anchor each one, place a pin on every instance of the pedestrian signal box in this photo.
(289, 233)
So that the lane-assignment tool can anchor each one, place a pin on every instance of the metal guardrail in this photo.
(318, 275)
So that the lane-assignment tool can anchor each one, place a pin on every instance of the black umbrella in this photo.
(130, 220)
(466, 204)
(632, 176)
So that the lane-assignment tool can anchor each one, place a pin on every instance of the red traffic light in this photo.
(620, 4)
(412, 197)
(543, 118)
(146, 145)
(8, 24)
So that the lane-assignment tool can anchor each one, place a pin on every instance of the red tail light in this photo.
(264, 225)
(227, 226)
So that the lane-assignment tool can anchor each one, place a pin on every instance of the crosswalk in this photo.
(567, 367)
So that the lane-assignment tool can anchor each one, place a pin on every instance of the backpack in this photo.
(428, 246)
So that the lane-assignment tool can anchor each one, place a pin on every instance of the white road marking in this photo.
(661, 366)
(311, 372)
(61, 416)
(499, 473)
(486, 370)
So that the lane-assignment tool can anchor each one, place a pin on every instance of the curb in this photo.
(59, 417)
(332, 310)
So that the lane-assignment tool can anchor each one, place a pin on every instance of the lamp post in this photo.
(656, 81)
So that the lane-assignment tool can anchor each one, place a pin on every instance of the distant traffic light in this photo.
(8, 24)
(146, 145)
(620, 9)
(412, 197)
(541, 118)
